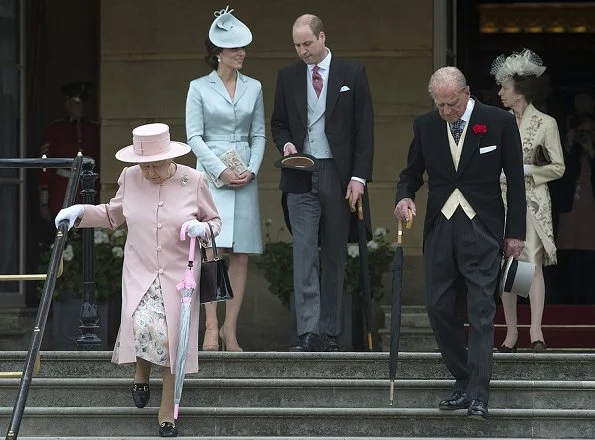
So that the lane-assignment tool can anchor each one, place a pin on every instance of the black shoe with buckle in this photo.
(167, 429)
(141, 394)
(458, 400)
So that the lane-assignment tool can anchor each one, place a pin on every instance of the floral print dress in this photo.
(539, 130)
(150, 327)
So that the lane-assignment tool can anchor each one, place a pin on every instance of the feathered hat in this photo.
(521, 63)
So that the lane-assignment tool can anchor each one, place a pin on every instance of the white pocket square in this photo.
(484, 150)
(344, 89)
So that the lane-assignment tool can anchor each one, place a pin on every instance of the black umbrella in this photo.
(364, 268)
(395, 316)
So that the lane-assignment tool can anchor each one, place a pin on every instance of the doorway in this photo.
(63, 46)
(561, 34)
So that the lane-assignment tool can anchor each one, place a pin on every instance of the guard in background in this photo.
(65, 138)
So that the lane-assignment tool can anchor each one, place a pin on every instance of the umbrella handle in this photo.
(360, 209)
(409, 219)
(191, 251)
(183, 230)
(400, 226)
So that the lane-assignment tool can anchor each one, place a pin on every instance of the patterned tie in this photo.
(316, 80)
(456, 128)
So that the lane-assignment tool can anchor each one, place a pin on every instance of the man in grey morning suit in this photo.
(464, 145)
(323, 107)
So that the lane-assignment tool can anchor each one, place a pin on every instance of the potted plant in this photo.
(67, 297)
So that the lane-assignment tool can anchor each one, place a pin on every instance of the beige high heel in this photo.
(227, 347)
(211, 340)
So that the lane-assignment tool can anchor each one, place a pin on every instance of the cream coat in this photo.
(536, 129)
(154, 214)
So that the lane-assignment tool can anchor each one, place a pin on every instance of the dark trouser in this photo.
(454, 249)
(325, 212)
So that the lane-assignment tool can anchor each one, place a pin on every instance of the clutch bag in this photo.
(234, 162)
(541, 156)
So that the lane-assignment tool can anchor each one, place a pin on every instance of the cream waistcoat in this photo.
(456, 198)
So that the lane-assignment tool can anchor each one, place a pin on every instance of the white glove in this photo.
(197, 229)
(528, 170)
(71, 214)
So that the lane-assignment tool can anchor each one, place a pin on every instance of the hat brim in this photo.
(176, 149)
(299, 162)
(516, 277)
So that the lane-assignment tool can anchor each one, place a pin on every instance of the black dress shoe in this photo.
(538, 347)
(478, 410)
(506, 349)
(167, 429)
(307, 342)
(458, 400)
(141, 394)
(329, 343)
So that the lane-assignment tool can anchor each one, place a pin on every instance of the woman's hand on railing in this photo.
(71, 214)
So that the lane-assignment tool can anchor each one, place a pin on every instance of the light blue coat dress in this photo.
(215, 124)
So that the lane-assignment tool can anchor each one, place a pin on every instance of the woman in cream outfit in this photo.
(154, 198)
(543, 161)
(225, 111)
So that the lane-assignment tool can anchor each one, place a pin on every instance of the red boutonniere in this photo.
(480, 129)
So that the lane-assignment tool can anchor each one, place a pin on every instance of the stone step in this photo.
(348, 365)
(411, 316)
(308, 422)
(287, 393)
(565, 327)
(416, 339)
(186, 437)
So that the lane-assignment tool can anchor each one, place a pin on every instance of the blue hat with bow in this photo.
(227, 31)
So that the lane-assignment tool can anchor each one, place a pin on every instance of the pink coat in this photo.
(154, 215)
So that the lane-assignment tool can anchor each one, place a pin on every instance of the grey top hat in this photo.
(296, 172)
(227, 31)
(516, 277)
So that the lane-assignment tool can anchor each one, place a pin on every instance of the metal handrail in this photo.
(43, 162)
(17, 374)
(50, 282)
(31, 276)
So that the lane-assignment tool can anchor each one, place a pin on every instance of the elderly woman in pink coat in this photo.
(154, 199)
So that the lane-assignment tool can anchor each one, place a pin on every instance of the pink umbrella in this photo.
(186, 288)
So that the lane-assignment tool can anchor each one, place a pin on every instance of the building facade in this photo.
(142, 54)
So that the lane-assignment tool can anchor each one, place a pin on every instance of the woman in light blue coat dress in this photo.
(225, 111)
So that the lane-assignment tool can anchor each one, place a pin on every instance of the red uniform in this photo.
(65, 138)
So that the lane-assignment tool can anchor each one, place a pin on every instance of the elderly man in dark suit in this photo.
(323, 107)
(464, 145)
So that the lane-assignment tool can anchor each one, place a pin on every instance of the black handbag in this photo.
(214, 280)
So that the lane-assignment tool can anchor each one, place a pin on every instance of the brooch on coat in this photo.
(184, 180)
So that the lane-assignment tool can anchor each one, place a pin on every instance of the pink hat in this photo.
(151, 143)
